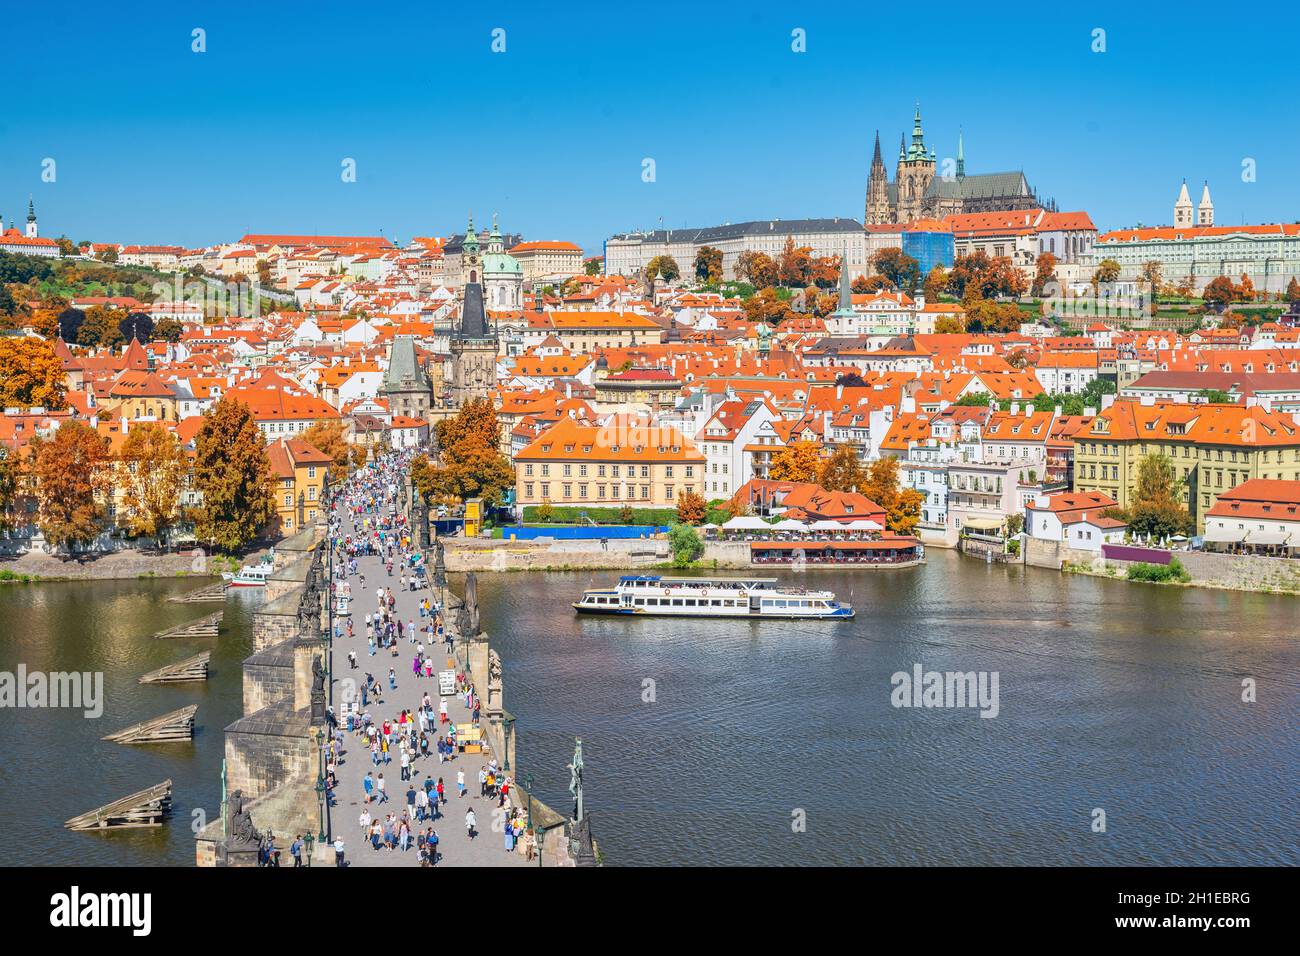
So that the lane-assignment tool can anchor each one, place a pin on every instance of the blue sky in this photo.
(155, 143)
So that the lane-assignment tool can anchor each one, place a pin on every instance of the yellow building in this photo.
(1212, 448)
(585, 332)
(299, 470)
(622, 463)
(142, 395)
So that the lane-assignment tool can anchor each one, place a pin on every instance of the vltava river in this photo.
(1112, 696)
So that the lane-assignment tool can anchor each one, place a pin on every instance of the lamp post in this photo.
(507, 728)
(528, 781)
(319, 737)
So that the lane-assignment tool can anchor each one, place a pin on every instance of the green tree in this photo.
(233, 474)
(662, 267)
(1157, 509)
(686, 545)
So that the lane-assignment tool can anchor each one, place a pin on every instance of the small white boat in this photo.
(251, 575)
(711, 597)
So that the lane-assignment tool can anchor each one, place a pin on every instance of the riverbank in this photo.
(36, 566)
(627, 554)
(1206, 569)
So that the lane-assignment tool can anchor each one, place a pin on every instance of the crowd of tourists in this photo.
(423, 740)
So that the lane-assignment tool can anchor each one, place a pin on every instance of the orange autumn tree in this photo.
(151, 472)
(233, 473)
(902, 507)
(73, 476)
(796, 462)
(327, 436)
(843, 471)
(691, 508)
(470, 463)
(31, 375)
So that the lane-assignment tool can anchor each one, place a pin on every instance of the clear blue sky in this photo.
(155, 143)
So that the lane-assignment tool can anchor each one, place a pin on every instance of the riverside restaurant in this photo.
(821, 542)
(881, 552)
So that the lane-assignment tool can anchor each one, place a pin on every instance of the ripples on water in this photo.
(54, 765)
(1117, 696)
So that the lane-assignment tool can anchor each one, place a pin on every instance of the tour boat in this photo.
(710, 597)
(251, 575)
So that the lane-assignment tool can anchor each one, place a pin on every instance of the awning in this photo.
(789, 524)
(1224, 535)
(746, 523)
(984, 524)
(1268, 537)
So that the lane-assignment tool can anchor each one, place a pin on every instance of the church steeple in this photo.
(31, 218)
(1205, 211)
(471, 236)
(961, 157)
(1183, 207)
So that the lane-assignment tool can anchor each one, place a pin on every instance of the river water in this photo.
(54, 766)
(762, 743)
(776, 742)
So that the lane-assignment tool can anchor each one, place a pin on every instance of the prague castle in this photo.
(918, 192)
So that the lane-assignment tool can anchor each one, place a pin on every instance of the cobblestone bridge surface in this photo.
(456, 848)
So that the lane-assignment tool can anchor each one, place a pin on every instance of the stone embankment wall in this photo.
(107, 567)
(1237, 572)
(626, 554)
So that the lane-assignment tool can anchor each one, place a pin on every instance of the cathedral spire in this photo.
(961, 156)
(918, 136)
(875, 158)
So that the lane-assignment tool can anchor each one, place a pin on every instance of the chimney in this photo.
(1029, 410)
(1056, 412)
(1015, 409)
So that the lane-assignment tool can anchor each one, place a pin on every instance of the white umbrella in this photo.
(789, 524)
(862, 524)
(825, 524)
(746, 523)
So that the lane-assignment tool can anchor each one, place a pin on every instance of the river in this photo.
(54, 764)
(776, 743)
(764, 743)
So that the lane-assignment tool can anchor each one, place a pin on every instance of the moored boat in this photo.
(710, 597)
(251, 575)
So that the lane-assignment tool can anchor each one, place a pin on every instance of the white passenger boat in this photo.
(710, 597)
(251, 575)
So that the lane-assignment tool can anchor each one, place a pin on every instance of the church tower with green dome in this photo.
(473, 342)
(503, 276)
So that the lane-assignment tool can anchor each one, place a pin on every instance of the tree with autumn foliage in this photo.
(902, 507)
(662, 267)
(935, 283)
(691, 508)
(708, 264)
(797, 461)
(327, 437)
(1218, 293)
(10, 481)
(902, 271)
(151, 472)
(470, 463)
(73, 478)
(233, 473)
(1044, 272)
(1293, 291)
(842, 471)
(31, 375)
(756, 268)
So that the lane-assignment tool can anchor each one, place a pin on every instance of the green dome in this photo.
(498, 263)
